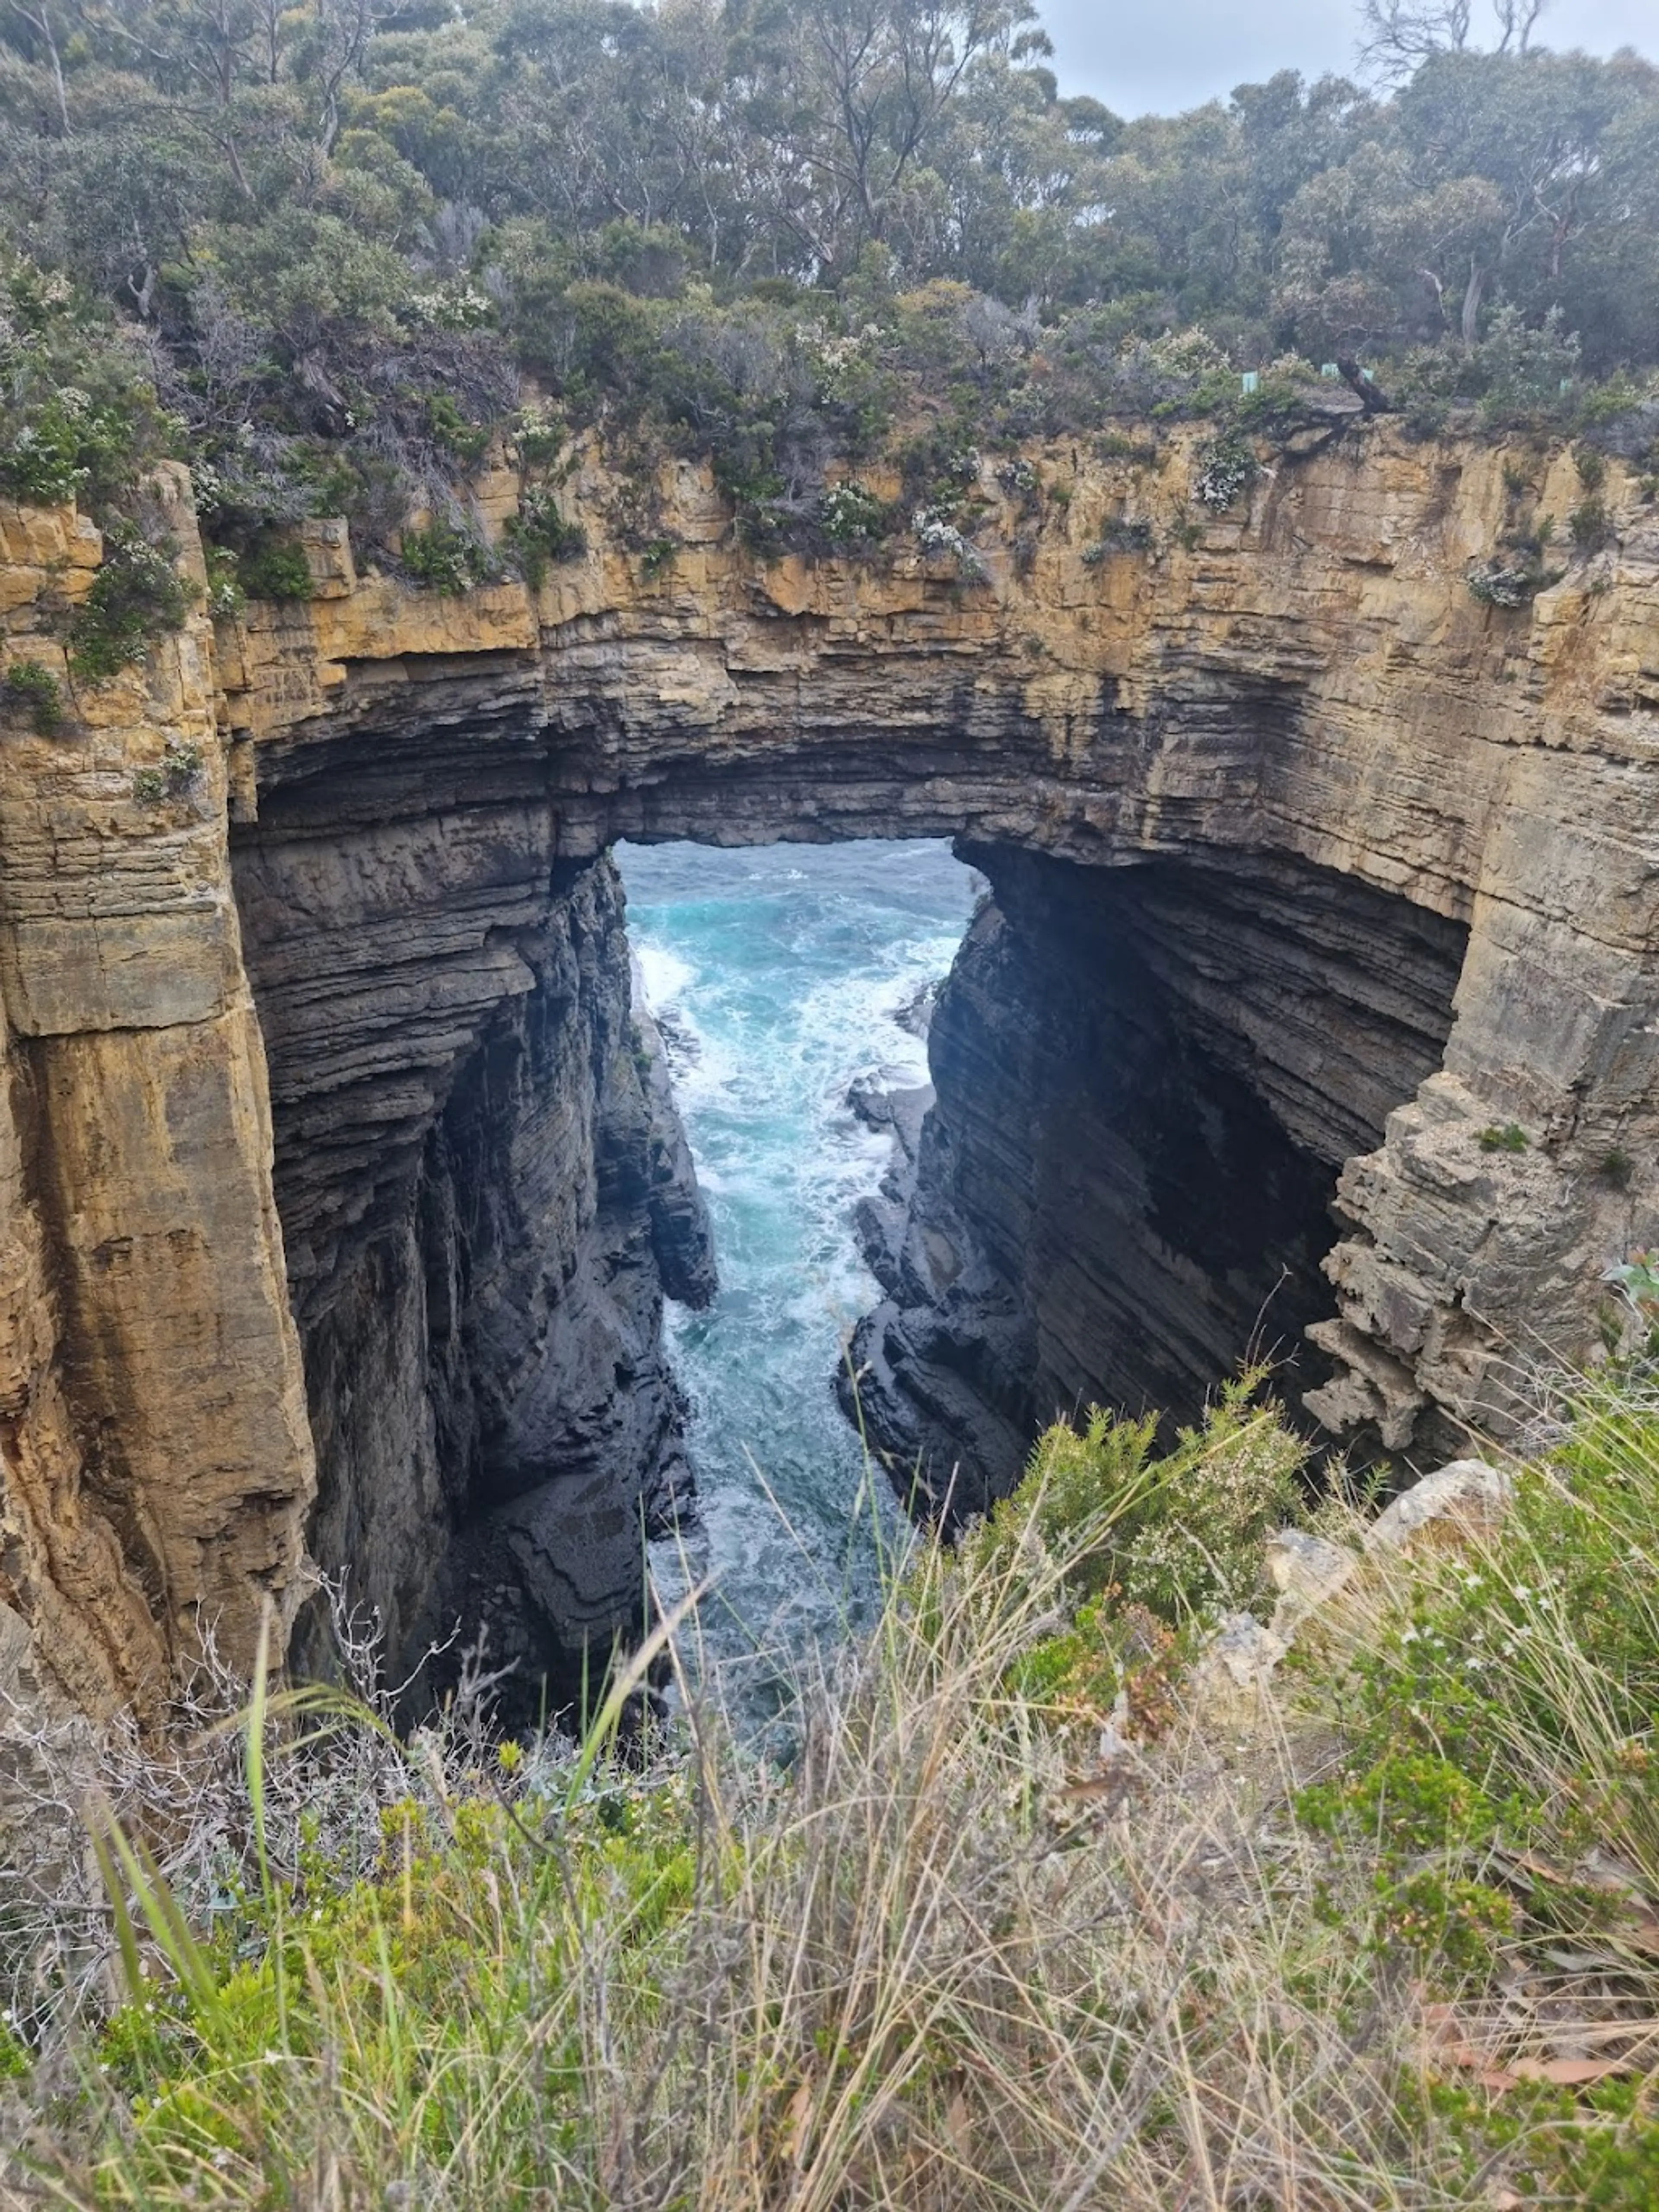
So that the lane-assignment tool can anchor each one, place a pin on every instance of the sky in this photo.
(1161, 56)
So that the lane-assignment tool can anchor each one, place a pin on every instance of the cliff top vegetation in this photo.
(340, 253)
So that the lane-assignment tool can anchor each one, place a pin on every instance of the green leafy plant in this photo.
(1178, 1533)
(136, 596)
(225, 597)
(1591, 525)
(1226, 469)
(850, 515)
(446, 558)
(465, 442)
(1503, 1137)
(34, 692)
(274, 567)
(538, 535)
(177, 769)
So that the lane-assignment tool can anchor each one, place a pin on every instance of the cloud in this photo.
(1181, 52)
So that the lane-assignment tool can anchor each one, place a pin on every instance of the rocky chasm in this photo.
(341, 1185)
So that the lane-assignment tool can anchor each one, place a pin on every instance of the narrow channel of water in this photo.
(780, 975)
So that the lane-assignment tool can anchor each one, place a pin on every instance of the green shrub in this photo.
(35, 692)
(850, 515)
(543, 435)
(1503, 1712)
(274, 567)
(136, 596)
(225, 597)
(539, 535)
(1591, 525)
(78, 421)
(464, 440)
(177, 770)
(1503, 1137)
(63, 445)
(1226, 469)
(446, 558)
(1178, 1533)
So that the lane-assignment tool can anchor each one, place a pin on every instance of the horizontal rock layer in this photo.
(1246, 707)
(1147, 1078)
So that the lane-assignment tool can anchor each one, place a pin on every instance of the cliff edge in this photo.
(1344, 866)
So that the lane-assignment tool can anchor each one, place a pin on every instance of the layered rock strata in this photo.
(1245, 730)
(484, 1189)
(157, 1463)
(1147, 1079)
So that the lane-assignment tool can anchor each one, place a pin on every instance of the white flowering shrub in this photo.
(850, 515)
(460, 306)
(1226, 469)
(940, 539)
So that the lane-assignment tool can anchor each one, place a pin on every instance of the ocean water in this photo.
(778, 975)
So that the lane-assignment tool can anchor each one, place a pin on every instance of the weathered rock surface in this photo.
(1147, 1081)
(1370, 869)
(485, 1190)
(157, 1464)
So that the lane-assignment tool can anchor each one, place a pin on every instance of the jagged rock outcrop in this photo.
(1372, 861)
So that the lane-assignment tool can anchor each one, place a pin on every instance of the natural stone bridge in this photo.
(1307, 870)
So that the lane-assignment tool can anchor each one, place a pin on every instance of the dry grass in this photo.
(957, 1955)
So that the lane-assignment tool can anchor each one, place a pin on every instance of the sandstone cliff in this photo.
(1310, 869)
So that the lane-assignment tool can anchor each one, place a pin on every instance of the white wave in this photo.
(666, 974)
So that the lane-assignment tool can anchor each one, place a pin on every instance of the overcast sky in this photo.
(1141, 56)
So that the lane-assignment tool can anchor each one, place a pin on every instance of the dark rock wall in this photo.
(483, 1191)
(1147, 1079)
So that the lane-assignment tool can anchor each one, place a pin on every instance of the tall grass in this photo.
(981, 1943)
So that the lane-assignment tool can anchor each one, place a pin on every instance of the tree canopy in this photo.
(325, 242)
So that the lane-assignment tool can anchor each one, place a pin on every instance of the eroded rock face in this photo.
(1323, 798)
(485, 1189)
(156, 1464)
(1147, 1078)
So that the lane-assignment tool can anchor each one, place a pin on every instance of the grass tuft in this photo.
(1022, 1922)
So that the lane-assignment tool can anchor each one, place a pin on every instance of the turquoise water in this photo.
(778, 975)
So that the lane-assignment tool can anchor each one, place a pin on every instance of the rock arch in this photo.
(1376, 856)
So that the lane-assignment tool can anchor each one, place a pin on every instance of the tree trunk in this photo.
(1472, 299)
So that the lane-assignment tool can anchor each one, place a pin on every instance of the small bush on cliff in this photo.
(79, 419)
(274, 567)
(1178, 1533)
(446, 557)
(172, 776)
(537, 537)
(136, 596)
(35, 693)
